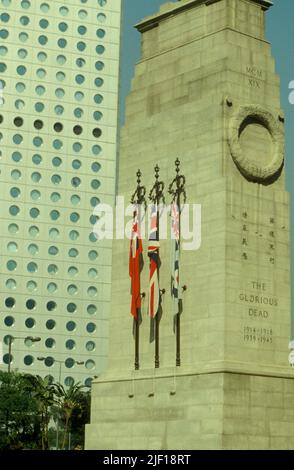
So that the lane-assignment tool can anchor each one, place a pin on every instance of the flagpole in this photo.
(138, 199)
(177, 189)
(156, 196)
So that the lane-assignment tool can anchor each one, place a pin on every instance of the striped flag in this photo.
(175, 260)
(153, 253)
(136, 264)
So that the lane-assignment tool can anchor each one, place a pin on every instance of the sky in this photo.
(279, 32)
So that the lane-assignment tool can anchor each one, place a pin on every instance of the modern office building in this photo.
(59, 66)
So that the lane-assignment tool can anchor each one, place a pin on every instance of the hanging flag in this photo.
(175, 259)
(136, 264)
(153, 253)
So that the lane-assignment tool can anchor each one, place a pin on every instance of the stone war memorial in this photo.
(205, 90)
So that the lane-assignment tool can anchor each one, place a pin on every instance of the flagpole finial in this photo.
(156, 194)
(177, 186)
(138, 197)
(156, 169)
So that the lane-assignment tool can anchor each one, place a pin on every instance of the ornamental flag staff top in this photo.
(136, 261)
(156, 196)
(177, 191)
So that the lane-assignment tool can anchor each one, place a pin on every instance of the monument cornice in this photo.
(153, 21)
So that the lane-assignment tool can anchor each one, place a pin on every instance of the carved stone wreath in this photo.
(250, 169)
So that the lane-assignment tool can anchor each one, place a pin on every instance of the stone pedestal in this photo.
(206, 91)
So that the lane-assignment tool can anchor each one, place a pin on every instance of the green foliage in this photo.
(29, 403)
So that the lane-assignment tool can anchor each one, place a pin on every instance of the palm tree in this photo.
(69, 400)
(42, 391)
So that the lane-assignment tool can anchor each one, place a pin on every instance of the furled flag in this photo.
(153, 253)
(175, 260)
(136, 264)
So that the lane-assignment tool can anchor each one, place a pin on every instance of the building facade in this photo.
(59, 66)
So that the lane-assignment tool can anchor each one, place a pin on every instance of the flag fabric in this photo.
(175, 260)
(153, 253)
(135, 264)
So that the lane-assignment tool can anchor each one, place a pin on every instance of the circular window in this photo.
(52, 269)
(96, 149)
(72, 271)
(62, 27)
(57, 144)
(34, 212)
(25, 4)
(100, 33)
(43, 23)
(50, 343)
(71, 326)
(56, 179)
(92, 273)
(69, 381)
(80, 79)
(5, 17)
(61, 59)
(75, 182)
(33, 231)
(79, 96)
(53, 233)
(37, 141)
(20, 87)
(98, 99)
(51, 306)
(24, 20)
(70, 344)
(28, 360)
(49, 361)
(39, 107)
(52, 287)
(16, 157)
(92, 309)
(78, 112)
(44, 7)
(13, 228)
(91, 327)
(78, 130)
(100, 50)
(90, 364)
(18, 121)
(82, 14)
(75, 199)
(62, 43)
(42, 56)
(17, 139)
(12, 247)
(30, 322)
(13, 210)
(22, 53)
(69, 363)
(97, 132)
(59, 93)
(7, 358)
(90, 346)
(15, 174)
(32, 267)
(99, 65)
(97, 115)
(31, 286)
(59, 109)
(38, 124)
(55, 197)
(33, 249)
(74, 217)
(35, 195)
(36, 159)
(36, 177)
(73, 235)
(102, 2)
(95, 184)
(93, 255)
(14, 192)
(23, 37)
(10, 284)
(77, 147)
(80, 62)
(82, 30)
(81, 46)
(41, 73)
(30, 304)
(54, 215)
(9, 302)
(50, 324)
(60, 76)
(94, 202)
(4, 33)
(40, 90)
(101, 17)
(72, 289)
(73, 253)
(9, 321)
(43, 40)
(53, 250)
(63, 11)
(71, 307)
(92, 291)
(58, 127)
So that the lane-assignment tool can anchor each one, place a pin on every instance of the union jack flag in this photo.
(153, 253)
(175, 259)
(136, 264)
